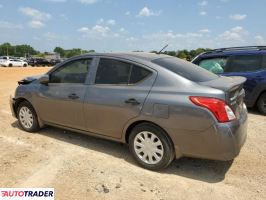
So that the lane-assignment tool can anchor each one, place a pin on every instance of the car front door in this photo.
(61, 101)
(116, 96)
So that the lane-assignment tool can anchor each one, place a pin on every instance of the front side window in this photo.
(72, 72)
(244, 63)
(215, 65)
(119, 73)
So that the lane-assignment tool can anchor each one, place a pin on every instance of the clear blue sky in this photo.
(119, 25)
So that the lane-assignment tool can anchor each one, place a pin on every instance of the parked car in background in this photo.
(13, 63)
(162, 106)
(55, 61)
(23, 58)
(38, 62)
(4, 57)
(249, 62)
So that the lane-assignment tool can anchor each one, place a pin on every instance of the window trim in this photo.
(68, 62)
(131, 66)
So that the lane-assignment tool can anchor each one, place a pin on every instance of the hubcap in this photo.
(148, 147)
(26, 117)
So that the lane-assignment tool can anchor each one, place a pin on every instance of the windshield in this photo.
(185, 69)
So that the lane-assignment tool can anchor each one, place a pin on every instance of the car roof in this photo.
(235, 51)
(130, 55)
(214, 54)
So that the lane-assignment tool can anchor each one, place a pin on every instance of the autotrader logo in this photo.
(27, 193)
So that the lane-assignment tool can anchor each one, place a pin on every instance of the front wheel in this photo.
(150, 146)
(261, 104)
(27, 117)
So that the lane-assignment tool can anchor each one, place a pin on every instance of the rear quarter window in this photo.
(138, 74)
(186, 69)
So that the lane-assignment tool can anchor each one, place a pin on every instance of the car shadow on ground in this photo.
(198, 169)
(254, 111)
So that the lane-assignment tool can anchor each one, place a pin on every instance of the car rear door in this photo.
(61, 101)
(116, 95)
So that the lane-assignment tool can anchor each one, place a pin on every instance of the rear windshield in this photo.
(185, 69)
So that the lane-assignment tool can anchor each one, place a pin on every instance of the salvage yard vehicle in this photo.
(13, 63)
(38, 62)
(162, 107)
(249, 62)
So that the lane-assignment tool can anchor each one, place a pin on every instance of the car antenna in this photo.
(163, 49)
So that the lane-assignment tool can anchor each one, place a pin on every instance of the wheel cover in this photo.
(148, 147)
(26, 117)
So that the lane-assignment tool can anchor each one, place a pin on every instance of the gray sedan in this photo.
(162, 107)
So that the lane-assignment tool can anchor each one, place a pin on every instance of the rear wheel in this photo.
(10, 65)
(150, 146)
(27, 117)
(261, 103)
(25, 65)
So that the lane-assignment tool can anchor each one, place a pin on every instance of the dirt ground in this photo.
(83, 167)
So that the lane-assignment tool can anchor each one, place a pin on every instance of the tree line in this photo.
(22, 50)
(25, 50)
(67, 53)
(185, 54)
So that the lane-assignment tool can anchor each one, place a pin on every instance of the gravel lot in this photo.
(83, 167)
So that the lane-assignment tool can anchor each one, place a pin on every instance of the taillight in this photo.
(218, 107)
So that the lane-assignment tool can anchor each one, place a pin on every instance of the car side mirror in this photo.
(44, 80)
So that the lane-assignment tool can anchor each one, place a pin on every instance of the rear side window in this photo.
(244, 63)
(138, 74)
(186, 69)
(116, 72)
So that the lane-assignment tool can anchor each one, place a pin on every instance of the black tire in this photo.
(25, 65)
(261, 103)
(168, 148)
(35, 124)
(10, 65)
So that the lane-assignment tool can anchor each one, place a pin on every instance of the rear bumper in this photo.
(222, 141)
(12, 106)
(234, 137)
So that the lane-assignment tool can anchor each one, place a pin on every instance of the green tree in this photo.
(17, 50)
(60, 50)
(5, 48)
(181, 54)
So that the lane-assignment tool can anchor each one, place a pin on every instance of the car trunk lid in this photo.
(233, 88)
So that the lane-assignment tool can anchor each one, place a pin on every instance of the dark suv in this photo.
(249, 62)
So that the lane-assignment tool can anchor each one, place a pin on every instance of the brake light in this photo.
(218, 107)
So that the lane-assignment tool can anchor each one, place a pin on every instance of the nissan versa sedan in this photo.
(164, 108)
